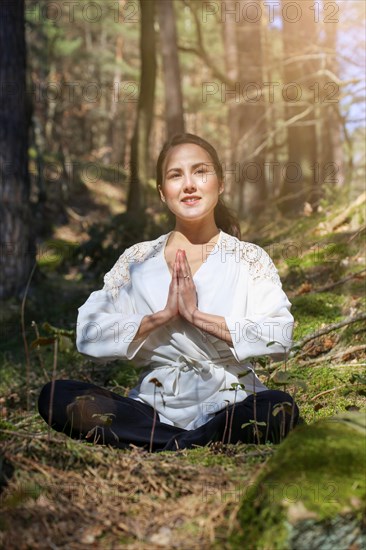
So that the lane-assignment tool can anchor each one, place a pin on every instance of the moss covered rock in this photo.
(312, 492)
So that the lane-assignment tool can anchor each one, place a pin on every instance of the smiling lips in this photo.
(191, 200)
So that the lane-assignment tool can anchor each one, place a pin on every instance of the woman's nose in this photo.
(189, 183)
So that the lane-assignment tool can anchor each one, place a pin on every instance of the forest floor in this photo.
(66, 494)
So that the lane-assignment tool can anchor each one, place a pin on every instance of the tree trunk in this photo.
(117, 125)
(145, 107)
(331, 170)
(17, 253)
(301, 183)
(172, 79)
(231, 63)
(251, 118)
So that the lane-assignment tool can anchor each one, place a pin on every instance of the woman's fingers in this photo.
(174, 276)
(186, 266)
(183, 267)
(179, 262)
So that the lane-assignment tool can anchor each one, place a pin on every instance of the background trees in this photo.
(17, 254)
(278, 89)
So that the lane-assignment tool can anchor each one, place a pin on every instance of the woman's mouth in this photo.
(190, 201)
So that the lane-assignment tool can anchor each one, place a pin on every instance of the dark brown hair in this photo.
(224, 218)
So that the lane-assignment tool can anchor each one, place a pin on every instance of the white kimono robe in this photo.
(237, 281)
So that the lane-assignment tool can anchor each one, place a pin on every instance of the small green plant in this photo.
(105, 420)
(256, 430)
(157, 384)
(234, 387)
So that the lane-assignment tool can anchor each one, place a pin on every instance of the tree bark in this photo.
(171, 71)
(331, 170)
(117, 123)
(301, 183)
(251, 118)
(145, 107)
(231, 63)
(17, 252)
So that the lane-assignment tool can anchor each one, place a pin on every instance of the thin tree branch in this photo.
(337, 283)
(329, 328)
(332, 356)
(200, 49)
(271, 134)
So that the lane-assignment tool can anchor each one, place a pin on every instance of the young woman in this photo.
(192, 307)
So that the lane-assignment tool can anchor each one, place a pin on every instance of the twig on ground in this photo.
(325, 392)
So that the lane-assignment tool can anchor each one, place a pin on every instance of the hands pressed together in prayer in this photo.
(182, 302)
(182, 297)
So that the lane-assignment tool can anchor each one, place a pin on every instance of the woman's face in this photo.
(190, 185)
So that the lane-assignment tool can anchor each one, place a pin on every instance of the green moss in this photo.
(204, 456)
(311, 311)
(319, 468)
(347, 389)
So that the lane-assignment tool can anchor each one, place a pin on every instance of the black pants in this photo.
(86, 411)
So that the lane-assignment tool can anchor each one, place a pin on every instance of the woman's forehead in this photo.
(186, 153)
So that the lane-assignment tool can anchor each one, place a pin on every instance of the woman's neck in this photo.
(195, 234)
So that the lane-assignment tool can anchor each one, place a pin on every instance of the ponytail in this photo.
(226, 220)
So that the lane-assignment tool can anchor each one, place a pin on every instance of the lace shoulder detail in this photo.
(119, 275)
(256, 259)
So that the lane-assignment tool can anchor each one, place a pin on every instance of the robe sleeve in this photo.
(108, 321)
(267, 317)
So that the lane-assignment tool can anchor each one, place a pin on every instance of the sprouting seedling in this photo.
(105, 418)
(255, 425)
(40, 357)
(254, 421)
(105, 421)
(264, 363)
(285, 407)
(157, 384)
(284, 350)
(234, 387)
(226, 419)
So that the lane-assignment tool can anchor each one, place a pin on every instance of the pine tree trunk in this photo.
(251, 119)
(231, 64)
(172, 80)
(117, 124)
(331, 170)
(145, 107)
(17, 254)
(301, 183)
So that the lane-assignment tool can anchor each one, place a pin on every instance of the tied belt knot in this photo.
(173, 371)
